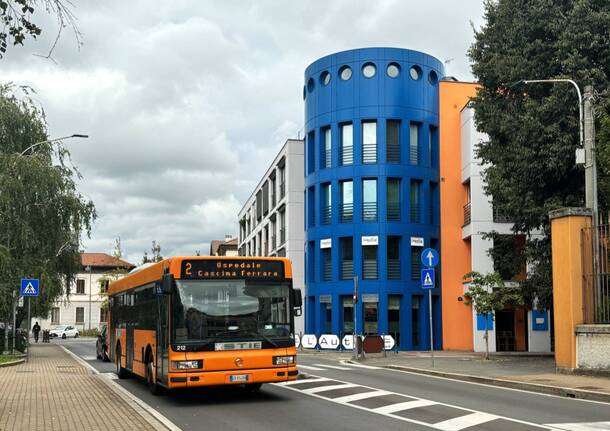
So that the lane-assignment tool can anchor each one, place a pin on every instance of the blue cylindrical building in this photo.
(371, 192)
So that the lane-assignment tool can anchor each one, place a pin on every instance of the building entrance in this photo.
(511, 330)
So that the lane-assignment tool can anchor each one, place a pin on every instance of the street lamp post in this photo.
(75, 135)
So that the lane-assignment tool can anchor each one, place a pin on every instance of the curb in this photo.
(510, 384)
(12, 363)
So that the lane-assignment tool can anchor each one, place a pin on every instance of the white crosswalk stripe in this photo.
(392, 408)
(585, 426)
(358, 397)
(459, 423)
(328, 388)
(310, 368)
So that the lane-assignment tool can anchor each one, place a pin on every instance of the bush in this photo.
(93, 332)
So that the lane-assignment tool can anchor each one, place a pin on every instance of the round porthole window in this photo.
(368, 70)
(310, 85)
(433, 77)
(345, 73)
(325, 78)
(393, 70)
(415, 72)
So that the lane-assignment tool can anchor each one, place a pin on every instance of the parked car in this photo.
(64, 331)
(101, 345)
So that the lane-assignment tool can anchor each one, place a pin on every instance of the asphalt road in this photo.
(345, 397)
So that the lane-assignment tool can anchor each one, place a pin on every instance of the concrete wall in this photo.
(593, 347)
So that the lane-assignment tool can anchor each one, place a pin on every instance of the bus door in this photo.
(162, 338)
(129, 350)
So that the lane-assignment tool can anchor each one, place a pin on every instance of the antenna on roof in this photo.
(446, 62)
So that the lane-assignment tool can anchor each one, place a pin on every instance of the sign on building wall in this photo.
(417, 241)
(326, 243)
(325, 299)
(370, 297)
(370, 240)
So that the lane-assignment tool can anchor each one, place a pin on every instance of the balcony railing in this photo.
(369, 269)
(347, 269)
(467, 214)
(327, 159)
(369, 211)
(393, 269)
(393, 211)
(414, 213)
(415, 267)
(327, 214)
(369, 154)
(347, 155)
(393, 153)
(413, 156)
(347, 213)
(327, 273)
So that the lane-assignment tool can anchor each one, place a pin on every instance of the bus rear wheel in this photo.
(120, 371)
(153, 387)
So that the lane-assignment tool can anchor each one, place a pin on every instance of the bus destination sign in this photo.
(211, 269)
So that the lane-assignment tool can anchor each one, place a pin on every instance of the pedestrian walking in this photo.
(36, 331)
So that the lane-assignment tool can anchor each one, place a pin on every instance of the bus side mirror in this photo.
(166, 284)
(297, 302)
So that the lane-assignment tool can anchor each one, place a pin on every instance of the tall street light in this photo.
(75, 135)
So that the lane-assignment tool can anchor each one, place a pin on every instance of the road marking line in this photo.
(307, 367)
(393, 408)
(294, 382)
(111, 376)
(417, 402)
(459, 423)
(584, 426)
(363, 396)
(334, 367)
(368, 367)
(89, 358)
(140, 405)
(328, 388)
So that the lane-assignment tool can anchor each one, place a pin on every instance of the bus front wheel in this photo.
(153, 387)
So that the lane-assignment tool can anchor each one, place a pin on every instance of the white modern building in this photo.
(271, 222)
(516, 329)
(83, 308)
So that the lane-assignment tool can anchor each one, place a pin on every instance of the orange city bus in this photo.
(198, 321)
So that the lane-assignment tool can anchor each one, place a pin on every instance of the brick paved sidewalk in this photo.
(54, 392)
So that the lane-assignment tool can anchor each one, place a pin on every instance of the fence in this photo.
(596, 284)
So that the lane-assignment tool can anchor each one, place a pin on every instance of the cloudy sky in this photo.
(187, 101)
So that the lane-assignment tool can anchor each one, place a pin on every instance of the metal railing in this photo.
(369, 269)
(327, 159)
(467, 214)
(393, 153)
(393, 209)
(369, 153)
(413, 155)
(415, 213)
(347, 269)
(347, 213)
(369, 211)
(327, 273)
(415, 267)
(347, 155)
(596, 284)
(393, 269)
(327, 214)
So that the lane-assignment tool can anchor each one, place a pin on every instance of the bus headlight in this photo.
(283, 360)
(187, 365)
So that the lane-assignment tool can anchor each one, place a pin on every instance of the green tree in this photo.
(42, 214)
(18, 24)
(155, 251)
(488, 294)
(116, 273)
(533, 130)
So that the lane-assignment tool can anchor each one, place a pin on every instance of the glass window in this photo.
(328, 317)
(55, 316)
(369, 262)
(393, 199)
(393, 70)
(325, 78)
(415, 72)
(433, 147)
(347, 144)
(327, 153)
(311, 206)
(80, 315)
(369, 142)
(327, 267)
(392, 140)
(368, 70)
(326, 204)
(311, 156)
(394, 317)
(347, 201)
(347, 303)
(433, 77)
(414, 143)
(415, 306)
(347, 258)
(345, 73)
(393, 257)
(414, 201)
(310, 85)
(80, 286)
(369, 200)
(370, 318)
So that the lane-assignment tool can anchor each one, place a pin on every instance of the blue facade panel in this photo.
(394, 199)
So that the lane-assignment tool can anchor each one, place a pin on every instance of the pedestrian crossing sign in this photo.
(29, 287)
(427, 278)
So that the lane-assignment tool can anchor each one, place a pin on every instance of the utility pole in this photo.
(355, 336)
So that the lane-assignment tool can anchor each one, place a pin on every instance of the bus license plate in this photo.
(239, 378)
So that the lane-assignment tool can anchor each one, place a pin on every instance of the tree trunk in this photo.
(486, 339)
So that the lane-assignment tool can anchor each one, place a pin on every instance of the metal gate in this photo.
(595, 243)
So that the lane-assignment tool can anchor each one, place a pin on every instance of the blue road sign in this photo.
(427, 278)
(29, 287)
(429, 257)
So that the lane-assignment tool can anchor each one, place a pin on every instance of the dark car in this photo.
(101, 344)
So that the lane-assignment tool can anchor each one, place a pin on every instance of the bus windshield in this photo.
(230, 309)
